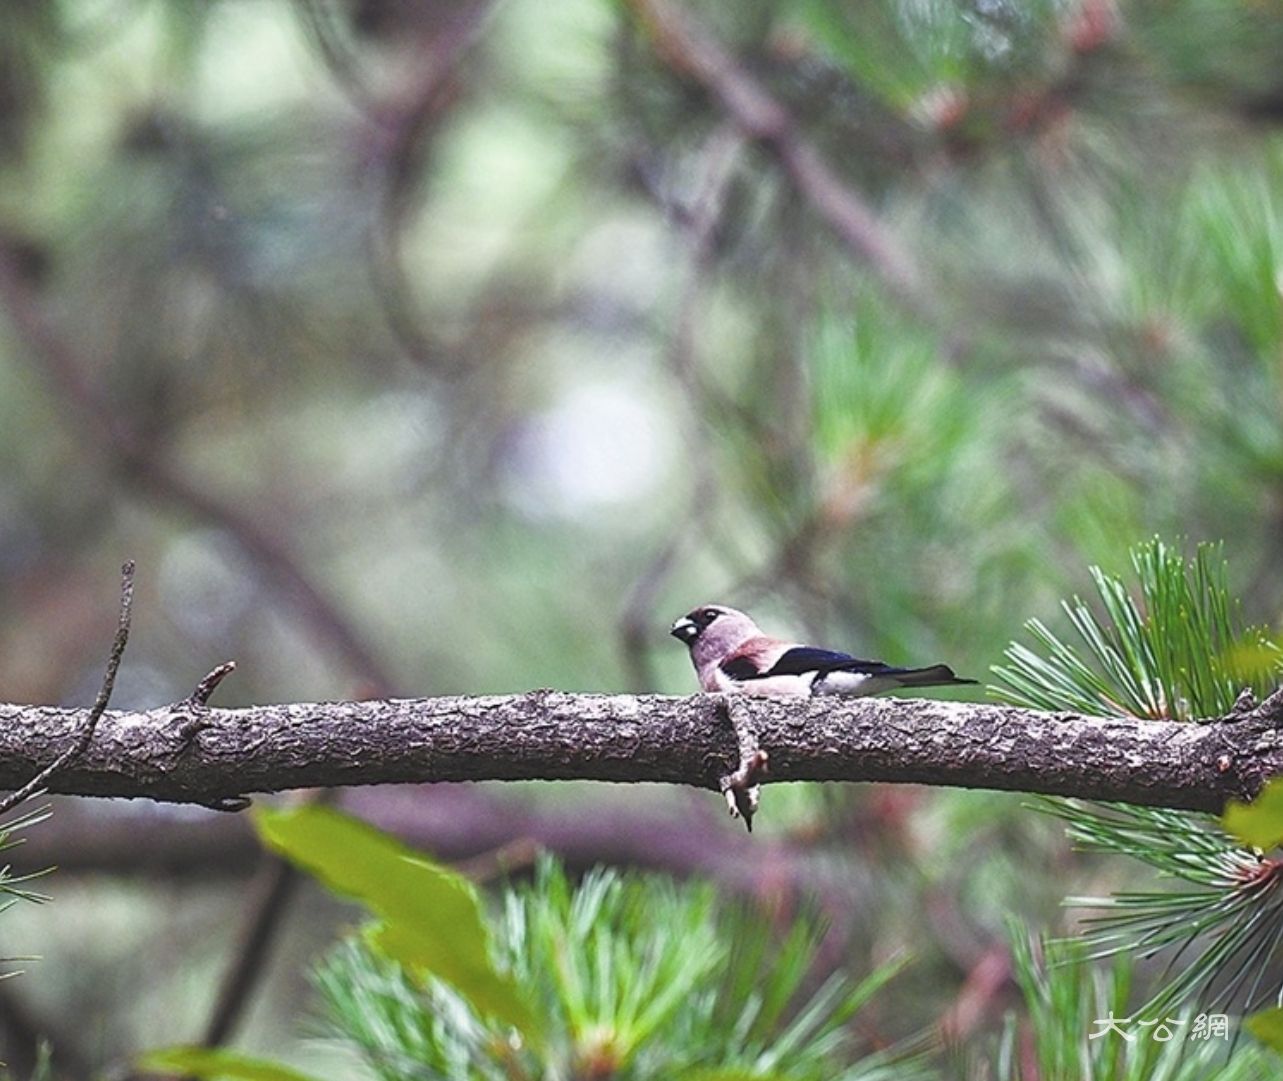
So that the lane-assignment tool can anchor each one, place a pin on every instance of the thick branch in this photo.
(189, 753)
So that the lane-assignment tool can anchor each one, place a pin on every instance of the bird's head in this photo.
(713, 630)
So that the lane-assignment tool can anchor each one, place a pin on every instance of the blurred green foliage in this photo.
(1259, 823)
(430, 919)
(1071, 1004)
(217, 1064)
(630, 978)
(615, 977)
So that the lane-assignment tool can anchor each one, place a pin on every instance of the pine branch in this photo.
(188, 752)
(694, 53)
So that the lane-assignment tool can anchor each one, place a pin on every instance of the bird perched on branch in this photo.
(732, 656)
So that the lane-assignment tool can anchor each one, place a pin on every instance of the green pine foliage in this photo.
(14, 888)
(1171, 645)
(1225, 916)
(629, 977)
(1173, 648)
(1070, 1003)
(615, 976)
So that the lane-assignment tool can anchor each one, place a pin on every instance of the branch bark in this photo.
(193, 754)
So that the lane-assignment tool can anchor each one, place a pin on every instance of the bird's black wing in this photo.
(803, 660)
(741, 668)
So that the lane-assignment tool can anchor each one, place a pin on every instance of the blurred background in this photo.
(420, 348)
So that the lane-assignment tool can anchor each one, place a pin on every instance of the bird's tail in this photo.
(938, 675)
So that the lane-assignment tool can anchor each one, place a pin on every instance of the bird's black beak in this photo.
(684, 630)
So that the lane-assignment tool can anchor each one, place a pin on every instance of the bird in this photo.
(731, 655)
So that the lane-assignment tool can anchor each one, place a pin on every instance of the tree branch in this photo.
(86, 733)
(693, 52)
(456, 823)
(637, 619)
(127, 453)
(273, 891)
(215, 756)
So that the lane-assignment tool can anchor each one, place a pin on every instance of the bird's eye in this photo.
(708, 615)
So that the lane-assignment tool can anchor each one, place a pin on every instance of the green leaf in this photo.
(216, 1064)
(430, 917)
(1259, 823)
(1267, 1026)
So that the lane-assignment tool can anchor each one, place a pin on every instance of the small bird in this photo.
(732, 656)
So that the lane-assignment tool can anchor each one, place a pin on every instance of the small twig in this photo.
(271, 895)
(741, 788)
(1244, 705)
(192, 716)
(86, 735)
(206, 687)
